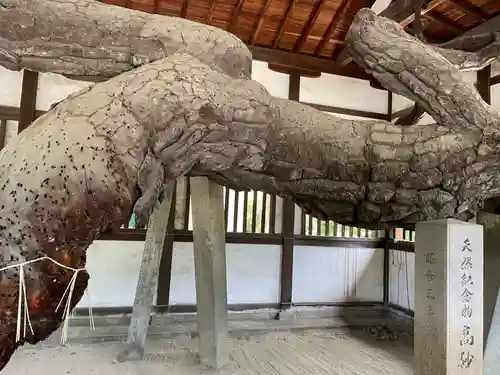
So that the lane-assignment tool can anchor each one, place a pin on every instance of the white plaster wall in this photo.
(276, 83)
(10, 87)
(402, 278)
(322, 274)
(343, 92)
(495, 96)
(53, 88)
(253, 273)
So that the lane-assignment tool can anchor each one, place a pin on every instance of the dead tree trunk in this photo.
(191, 109)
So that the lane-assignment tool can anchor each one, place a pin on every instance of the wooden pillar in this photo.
(147, 283)
(484, 83)
(165, 270)
(27, 112)
(448, 298)
(210, 270)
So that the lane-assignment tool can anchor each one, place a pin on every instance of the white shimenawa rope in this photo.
(22, 306)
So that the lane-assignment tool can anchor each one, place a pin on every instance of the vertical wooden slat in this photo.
(318, 227)
(236, 209)
(187, 205)
(3, 133)
(310, 226)
(389, 235)
(389, 105)
(28, 99)
(335, 229)
(165, 272)
(303, 218)
(327, 228)
(245, 211)
(226, 208)
(272, 214)
(263, 214)
(254, 212)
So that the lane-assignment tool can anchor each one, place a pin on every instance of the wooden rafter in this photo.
(213, 4)
(444, 22)
(305, 62)
(470, 10)
(495, 80)
(260, 22)
(156, 6)
(433, 4)
(330, 31)
(185, 5)
(318, 8)
(281, 29)
(236, 16)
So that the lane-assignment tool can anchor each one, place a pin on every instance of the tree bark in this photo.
(82, 167)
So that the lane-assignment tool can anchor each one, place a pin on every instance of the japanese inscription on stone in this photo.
(467, 338)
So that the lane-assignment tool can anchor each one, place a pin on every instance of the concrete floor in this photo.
(313, 352)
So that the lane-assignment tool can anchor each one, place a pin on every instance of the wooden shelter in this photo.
(308, 35)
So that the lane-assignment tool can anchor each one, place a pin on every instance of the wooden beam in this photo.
(147, 282)
(332, 27)
(495, 80)
(444, 22)
(3, 133)
(469, 9)
(156, 7)
(288, 224)
(236, 16)
(347, 111)
(14, 113)
(318, 8)
(185, 6)
(165, 270)
(484, 83)
(307, 62)
(27, 112)
(213, 4)
(490, 26)
(260, 22)
(281, 29)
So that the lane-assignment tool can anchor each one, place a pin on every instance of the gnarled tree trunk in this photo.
(182, 103)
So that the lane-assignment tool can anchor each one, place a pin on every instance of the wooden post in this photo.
(448, 298)
(210, 270)
(147, 283)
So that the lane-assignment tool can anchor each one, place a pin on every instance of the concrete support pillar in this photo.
(210, 270)
(491, 224)
(147, 283)
(448, 298)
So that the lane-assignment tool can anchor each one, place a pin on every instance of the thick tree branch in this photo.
(411, 68)
(86, 37)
